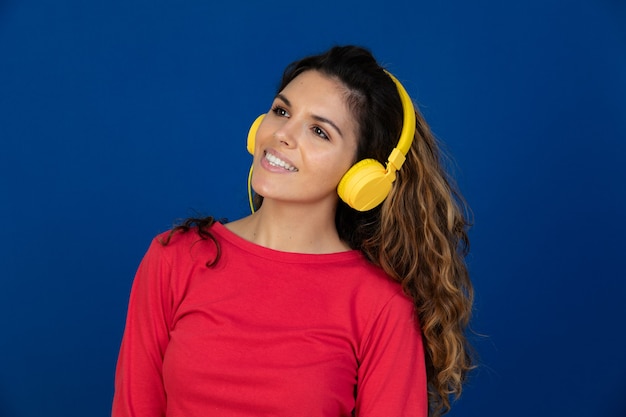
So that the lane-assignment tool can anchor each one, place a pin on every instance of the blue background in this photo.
(119, 117)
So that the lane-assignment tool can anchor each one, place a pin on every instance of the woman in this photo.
(312, 305)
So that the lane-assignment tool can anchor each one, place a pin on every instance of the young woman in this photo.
(345, 293)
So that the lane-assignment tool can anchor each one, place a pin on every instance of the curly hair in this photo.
(425, 252)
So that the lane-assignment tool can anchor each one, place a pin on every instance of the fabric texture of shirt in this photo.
(266, 333)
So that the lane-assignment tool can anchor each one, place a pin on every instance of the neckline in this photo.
(282, 256)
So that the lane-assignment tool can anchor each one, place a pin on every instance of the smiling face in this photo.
(306, 142)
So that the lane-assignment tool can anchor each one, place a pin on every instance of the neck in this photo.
(291, 228)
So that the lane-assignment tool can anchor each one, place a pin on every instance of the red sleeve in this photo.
(139, 388)
(392, 371)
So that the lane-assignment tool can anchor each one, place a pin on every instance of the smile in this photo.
(277, 162)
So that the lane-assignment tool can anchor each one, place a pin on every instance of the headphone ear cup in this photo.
(252, 133)
(365, 185)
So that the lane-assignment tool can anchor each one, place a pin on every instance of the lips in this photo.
(275, 161)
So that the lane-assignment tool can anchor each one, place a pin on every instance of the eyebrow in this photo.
(318, 118)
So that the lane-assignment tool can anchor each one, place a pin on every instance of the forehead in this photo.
(318, 86)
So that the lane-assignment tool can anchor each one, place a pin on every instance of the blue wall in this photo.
(119, 117)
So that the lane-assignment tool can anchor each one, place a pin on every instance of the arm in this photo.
(139, 388)
(392, 371)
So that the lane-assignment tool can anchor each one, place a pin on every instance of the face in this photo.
(305, 143)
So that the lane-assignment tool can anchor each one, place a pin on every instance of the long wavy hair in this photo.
(418, 235)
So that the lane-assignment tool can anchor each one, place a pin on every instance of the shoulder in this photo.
(374, 281)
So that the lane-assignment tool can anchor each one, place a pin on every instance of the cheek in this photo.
(349, 159)
(335, 170)
(260, 134)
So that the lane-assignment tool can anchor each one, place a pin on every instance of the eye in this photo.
(320, 132)
(279, 111)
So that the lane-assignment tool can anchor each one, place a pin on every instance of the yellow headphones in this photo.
(367, 183)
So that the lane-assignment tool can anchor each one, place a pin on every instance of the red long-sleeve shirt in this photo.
(266, 333)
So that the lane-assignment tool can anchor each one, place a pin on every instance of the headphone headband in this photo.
(408, 125)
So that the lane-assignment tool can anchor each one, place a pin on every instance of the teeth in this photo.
(277, 162)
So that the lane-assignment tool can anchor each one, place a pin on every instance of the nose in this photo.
(287, 132)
